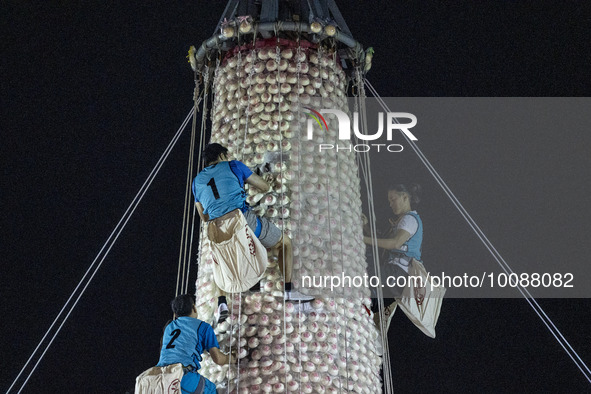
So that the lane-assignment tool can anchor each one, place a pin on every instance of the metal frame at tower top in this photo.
(316, 21)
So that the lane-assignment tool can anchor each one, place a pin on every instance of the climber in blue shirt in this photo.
(219, 189)
(184, 341)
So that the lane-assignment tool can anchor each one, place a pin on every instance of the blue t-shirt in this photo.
(220, 188)
(411, 249)
(184, 340)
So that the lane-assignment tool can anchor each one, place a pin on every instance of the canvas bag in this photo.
(160, 380)
(240, 260)
(421, 304)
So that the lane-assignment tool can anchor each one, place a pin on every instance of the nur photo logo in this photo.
(399, 121)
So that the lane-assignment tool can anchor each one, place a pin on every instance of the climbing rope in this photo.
(99, 259)
(365, 169)
(186, 237)
(281, 197)
(298, 52)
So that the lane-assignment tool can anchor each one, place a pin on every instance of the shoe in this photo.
(295, 295)
(222, 313)
(256, 288)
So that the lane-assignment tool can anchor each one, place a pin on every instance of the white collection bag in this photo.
(160, 380)
(421, 304)
(240, 260)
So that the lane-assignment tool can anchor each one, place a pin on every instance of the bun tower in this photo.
(267, 73)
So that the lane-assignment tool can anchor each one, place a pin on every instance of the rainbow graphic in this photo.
(317, 117)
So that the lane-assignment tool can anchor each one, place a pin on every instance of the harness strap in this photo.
(406, 253)
(257, 231)
(200, 386)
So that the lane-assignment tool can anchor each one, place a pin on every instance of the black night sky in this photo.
(92, 92)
